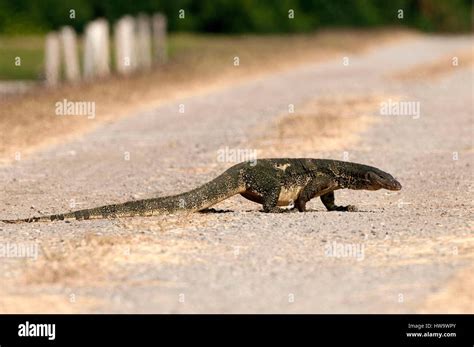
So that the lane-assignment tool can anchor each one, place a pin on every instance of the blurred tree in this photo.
(241, 16)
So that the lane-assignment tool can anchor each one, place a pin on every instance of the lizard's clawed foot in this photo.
(277, 210)
(348, 208)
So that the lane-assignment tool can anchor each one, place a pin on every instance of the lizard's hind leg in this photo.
(270, 201)
(328, 201)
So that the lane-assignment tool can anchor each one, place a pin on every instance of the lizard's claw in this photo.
(351, 208)
(348, 208)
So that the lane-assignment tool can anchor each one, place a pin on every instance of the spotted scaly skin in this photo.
(269, 182)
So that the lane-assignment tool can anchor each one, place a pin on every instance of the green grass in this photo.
(197, 50)
(31, 52)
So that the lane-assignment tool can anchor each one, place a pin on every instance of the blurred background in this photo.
(200, 45)
(240, 16)
(24, 23)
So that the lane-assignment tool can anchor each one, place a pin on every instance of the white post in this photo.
(69, 50)
(125, 45)
(159, 38)
(143, 41)
(96, 49)
(52, 59)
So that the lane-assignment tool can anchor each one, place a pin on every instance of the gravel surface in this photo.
(401, 248)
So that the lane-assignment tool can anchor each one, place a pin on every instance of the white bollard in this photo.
(96, 49)
(159, 38)
(143, 41)
(69, 50)
(52, 59)
(125, 45)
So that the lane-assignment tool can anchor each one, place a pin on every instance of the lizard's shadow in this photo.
(213, 210)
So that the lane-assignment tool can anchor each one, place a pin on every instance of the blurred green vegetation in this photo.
(29, 49)
(241, 16)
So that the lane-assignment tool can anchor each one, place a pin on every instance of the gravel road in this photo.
(393, 256)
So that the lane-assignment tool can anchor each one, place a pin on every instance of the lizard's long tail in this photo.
(222, 187)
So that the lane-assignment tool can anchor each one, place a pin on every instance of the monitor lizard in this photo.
(270, 182)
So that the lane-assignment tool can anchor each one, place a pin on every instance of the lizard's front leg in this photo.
(328, 201)
(270, 201)
(314, 188)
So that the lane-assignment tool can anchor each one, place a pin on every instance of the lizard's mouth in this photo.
(386, 183)
(394, 185)
(382, 180)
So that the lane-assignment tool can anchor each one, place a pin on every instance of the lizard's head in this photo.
(377, 179)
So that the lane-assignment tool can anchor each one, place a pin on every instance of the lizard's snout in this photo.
(395, 185)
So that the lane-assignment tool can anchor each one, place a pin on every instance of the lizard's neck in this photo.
(351, 181)
(349, 175)
(345, 174)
